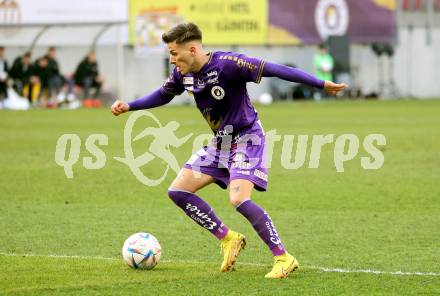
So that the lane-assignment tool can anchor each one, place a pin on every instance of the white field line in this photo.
(323, 269)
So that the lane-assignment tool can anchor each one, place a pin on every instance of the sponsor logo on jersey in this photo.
(242, 63)
(188, 80)
(213, 80)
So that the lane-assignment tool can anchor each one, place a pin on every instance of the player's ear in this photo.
(193, 50)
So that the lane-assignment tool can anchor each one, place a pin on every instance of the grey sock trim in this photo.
(179, 190)
(242, 203)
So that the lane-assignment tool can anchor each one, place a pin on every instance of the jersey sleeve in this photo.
(173, 85)
(242, 67)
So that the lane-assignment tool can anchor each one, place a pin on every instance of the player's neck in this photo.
(200, 61)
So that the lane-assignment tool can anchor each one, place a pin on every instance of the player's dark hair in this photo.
(182, 33)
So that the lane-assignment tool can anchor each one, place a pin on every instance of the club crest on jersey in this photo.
(217, 92)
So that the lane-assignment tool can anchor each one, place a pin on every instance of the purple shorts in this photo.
(243, 160)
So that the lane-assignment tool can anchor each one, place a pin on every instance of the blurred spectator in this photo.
(55, 79)
(21, 73)
(323, 68)
(87, 76)
(41, 72)
(4, 70)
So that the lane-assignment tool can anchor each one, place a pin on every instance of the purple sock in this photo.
(199, 211)
(263, 225)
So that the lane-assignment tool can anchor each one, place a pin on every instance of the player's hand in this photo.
(333, 88)
(119, 107)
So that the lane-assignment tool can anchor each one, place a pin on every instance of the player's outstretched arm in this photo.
(300, 76)
(154, 99)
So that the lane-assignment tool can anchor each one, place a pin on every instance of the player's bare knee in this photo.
(177, 185)
(236, 200)
(182, 183)
(238, 193)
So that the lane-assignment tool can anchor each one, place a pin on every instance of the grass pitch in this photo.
(72, 230)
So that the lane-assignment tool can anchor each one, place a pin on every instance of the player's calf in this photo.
(199, 211)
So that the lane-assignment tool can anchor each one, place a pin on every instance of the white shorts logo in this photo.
(331, 18)
(217, 92)
(239, 156)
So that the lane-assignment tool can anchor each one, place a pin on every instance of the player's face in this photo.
(182, 56)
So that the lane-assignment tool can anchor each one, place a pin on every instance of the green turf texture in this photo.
(386, 219)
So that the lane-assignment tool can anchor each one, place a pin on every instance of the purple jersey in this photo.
(219, 90)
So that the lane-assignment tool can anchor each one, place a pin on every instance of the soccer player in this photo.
(217, 82)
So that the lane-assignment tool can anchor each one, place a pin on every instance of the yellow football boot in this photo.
(231, 245)
(283, 265)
